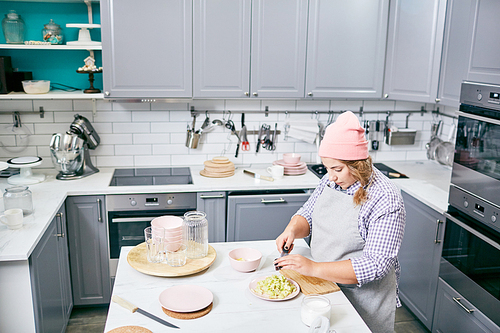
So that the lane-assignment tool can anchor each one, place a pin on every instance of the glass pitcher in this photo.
(195, 231)
(18, 197)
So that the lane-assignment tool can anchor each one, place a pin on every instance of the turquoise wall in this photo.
(58, 66)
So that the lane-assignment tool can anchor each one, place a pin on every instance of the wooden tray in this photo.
(138, 260)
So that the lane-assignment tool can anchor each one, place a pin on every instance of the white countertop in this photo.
(235, 309)
(428, 182)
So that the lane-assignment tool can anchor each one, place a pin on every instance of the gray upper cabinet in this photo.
(249, 48)
(346, 48)
(50, 278)
(88, 245)
(414, 45)
(147, 48)
(419, 257)
(468, 50)
(456, 51)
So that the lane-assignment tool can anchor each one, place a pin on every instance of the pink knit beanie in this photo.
(344, 139)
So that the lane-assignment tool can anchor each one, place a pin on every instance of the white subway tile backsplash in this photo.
(144, 134)
(53, 105)
(123, 150)
(132, 127)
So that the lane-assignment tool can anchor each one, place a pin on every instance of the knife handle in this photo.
(126, 304)
(267, 178)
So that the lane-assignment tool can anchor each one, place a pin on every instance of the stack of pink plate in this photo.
(299, 168)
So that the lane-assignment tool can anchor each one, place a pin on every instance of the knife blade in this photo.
(132, 308)
(256, 175)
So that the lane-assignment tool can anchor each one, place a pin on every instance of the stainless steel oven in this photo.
(470, 261)
(129, 214)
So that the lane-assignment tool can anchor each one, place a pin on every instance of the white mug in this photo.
(13, 218)
(276, 171)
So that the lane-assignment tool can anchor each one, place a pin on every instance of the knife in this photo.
(132, 308)
(256, 175)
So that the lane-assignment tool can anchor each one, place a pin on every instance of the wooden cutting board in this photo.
(311, 285)
(138, 260)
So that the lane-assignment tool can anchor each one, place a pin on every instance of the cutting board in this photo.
(311, 285)
(137, 258)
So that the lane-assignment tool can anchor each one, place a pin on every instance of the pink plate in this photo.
(281, 162)
(253, 284)
(295, 173)
(186, 298)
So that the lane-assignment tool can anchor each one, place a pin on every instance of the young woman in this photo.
(356, 219)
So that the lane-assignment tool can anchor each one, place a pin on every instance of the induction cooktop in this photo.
(151, 176)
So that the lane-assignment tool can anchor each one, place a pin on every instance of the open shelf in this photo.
(49, 47)
(56, 94)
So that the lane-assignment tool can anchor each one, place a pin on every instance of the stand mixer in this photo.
(70, 151)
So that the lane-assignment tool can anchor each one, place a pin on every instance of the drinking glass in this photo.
(177, 257)
(314, 306)
(154, 244)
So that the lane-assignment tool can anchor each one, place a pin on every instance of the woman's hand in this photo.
(285, 240)
(297, 263)
(298, 227)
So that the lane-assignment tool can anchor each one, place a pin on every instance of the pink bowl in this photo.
(175, 233)
(173, 239)
(169, 222)
(251, 259)
(291, 158)
(174, 246)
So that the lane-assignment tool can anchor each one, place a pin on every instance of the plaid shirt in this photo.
(381, 223)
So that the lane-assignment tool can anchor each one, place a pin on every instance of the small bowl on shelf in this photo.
(245, 259)
(36, 86)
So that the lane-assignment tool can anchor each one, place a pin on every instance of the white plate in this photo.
(253, 285)
(186, 298)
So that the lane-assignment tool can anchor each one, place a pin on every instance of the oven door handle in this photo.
(480, 118)
(472, 231)
(457, 300)
(131, 219)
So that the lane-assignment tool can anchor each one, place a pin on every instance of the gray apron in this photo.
(335, 237)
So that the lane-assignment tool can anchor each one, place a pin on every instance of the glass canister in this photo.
(195, 231)
(52, 33)
(18, 197)
(13, 28)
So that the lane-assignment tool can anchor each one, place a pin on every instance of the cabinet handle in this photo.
(438, 100)
(255, 94)
(59, 217)
(100, 210)
(436, 240)
(309, 94)
(211, 196)
(386, 95)
(457, 300)
(247, 93)
(106, 93)
(280, 200)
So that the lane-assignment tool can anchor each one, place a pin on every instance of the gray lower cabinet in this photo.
(50, 278)
(88, 249)
(414, 45)
(260, 216)
(346, 48)
(214, 205)
(454, 314)
(419, 257)
(147, 48)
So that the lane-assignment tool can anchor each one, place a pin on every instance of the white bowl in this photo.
(36, 86)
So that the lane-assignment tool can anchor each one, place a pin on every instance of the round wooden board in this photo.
(218, 164)
(220, 159)
(130, 329)
(138, 260)
(216, 175)
(188, 315)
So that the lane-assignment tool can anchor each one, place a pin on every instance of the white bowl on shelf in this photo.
(36, 86)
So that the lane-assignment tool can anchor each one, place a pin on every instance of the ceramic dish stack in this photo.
(292, 164)
(218, 167)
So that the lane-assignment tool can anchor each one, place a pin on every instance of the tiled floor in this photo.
(93, 319)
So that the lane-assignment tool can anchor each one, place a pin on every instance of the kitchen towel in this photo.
(303, 129)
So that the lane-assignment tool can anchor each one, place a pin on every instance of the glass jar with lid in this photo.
(195, 232)
(18, 197)
(52, 33)
(13, 28)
